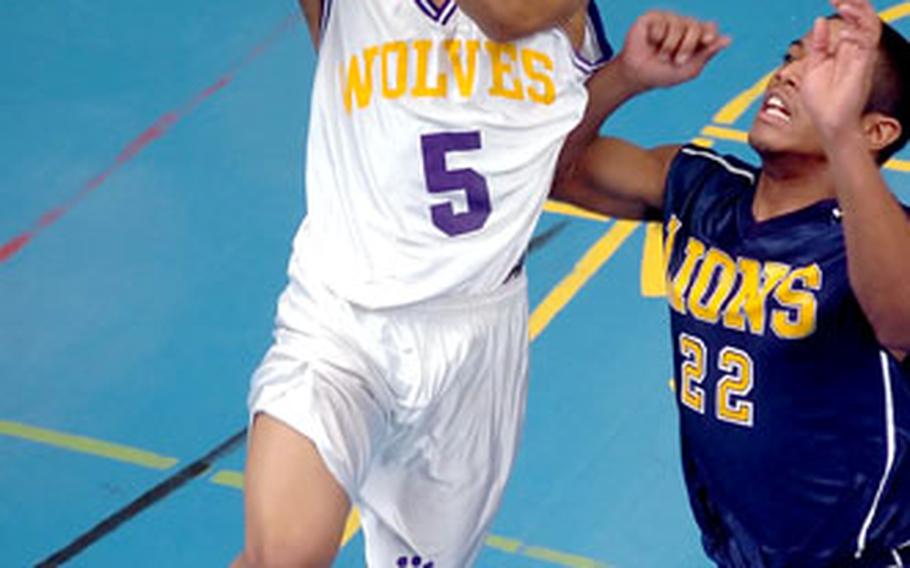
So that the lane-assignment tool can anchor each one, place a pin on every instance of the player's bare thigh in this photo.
(295, 509)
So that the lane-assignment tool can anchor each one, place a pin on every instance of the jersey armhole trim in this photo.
(603, 51)
(324, 17)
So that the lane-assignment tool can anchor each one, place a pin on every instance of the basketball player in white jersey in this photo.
(397, 378)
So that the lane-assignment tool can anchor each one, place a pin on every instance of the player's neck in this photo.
(789, 185)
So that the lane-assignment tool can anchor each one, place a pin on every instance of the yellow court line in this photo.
(896, 12)
(228, 478)
(561, 208)
(351, 526)
(703, 142)
(725, 133)
(898, 165)
(589, 264)
(85, 445)
(509, 545)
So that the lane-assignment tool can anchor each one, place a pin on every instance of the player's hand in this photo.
(840, 66)
(664, 49)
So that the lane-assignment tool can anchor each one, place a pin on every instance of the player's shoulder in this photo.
(698, 173)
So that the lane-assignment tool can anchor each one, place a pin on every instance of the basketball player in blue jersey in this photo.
(789, 289)
(397, 376)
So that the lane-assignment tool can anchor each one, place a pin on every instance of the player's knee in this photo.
(280, 551)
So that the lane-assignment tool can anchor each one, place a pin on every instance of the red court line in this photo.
(158, 129)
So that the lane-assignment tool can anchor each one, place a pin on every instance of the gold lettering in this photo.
(357, 84)
(799, 319)
(502, 68)
(398, 50)
(548, 93)
(465, 72)
(716, 262)
(422, 88)
(756, 283)
(694, 251)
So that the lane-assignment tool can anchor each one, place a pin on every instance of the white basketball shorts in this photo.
(416, 410)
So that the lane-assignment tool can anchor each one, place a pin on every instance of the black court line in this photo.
(144, 501)
(541, 240)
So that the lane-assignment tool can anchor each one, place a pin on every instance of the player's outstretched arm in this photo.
(312, 12)
(505, 20)
(612, 176)
(835, 89)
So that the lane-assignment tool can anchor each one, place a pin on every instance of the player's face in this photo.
(782, 125)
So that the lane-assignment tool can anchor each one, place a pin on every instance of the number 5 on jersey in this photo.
(440, 179)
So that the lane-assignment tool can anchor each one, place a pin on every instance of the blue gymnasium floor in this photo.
(151, 183)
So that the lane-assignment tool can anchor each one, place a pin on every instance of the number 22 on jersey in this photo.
(730, 394)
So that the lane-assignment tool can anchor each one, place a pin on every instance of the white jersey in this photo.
(431, 148)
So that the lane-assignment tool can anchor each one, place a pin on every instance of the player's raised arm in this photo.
(312, 12)
(612, 176)
(505, 20)
(841, 64)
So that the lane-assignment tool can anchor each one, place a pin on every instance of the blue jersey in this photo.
(794, 421)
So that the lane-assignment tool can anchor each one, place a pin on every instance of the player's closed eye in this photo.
(794, 51)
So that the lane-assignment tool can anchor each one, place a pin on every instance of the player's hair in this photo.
(891, 88)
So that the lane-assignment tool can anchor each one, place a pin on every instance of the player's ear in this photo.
(880, 130)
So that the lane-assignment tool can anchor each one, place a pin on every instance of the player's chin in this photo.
(760, 141)
(766, 139)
